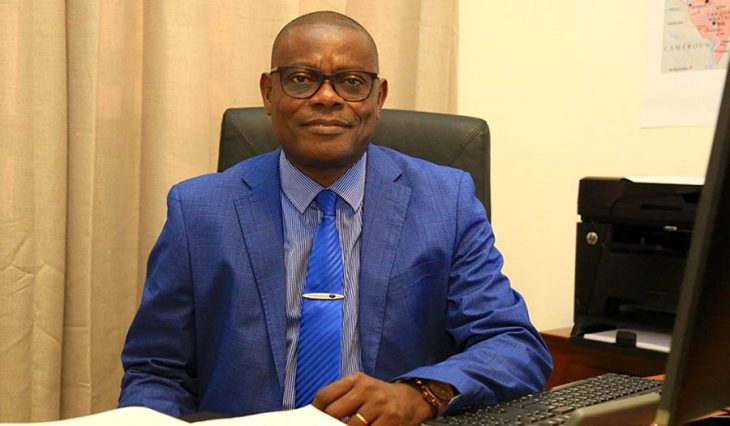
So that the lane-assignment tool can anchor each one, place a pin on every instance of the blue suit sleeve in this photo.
(158, 355)
(504, 356)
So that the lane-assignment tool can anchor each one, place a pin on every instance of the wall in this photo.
(560, 84)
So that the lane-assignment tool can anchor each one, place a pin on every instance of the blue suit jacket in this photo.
(210, 332)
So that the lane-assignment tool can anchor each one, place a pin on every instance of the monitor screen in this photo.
(698, 368)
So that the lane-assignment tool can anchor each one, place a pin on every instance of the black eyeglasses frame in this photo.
(322, 78)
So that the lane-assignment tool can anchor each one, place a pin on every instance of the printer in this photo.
(631, 248)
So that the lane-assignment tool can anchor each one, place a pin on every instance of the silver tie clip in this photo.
(323, 296)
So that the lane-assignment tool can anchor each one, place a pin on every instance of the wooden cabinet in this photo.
(579, 359)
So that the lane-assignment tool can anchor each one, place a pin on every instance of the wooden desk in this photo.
(575, 360)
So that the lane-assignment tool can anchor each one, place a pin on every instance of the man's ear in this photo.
(265, 87)
(382, 94)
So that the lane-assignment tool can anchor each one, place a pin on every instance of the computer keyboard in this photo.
(576, 403)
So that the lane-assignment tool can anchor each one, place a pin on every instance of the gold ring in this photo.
(362, 419)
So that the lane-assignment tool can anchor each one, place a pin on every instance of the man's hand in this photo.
(368, 401)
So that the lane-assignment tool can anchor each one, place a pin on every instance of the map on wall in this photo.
(696, 34)
(686, 58)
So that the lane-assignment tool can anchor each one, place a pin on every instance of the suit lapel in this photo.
(384, 210)
(260, 217)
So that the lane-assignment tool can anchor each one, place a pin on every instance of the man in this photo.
(426, 321)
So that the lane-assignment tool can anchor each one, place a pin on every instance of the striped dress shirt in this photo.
(301, 217)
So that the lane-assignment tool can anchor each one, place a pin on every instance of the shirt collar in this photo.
(301, 190)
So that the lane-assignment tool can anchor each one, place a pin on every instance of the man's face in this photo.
(325, 133)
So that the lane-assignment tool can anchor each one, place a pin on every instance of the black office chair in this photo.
(451, 140)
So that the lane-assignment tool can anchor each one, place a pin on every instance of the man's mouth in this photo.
(327, 126)
(326, 122)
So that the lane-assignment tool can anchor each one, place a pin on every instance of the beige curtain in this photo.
(104, 104)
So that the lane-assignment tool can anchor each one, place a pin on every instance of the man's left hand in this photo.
(368, 401)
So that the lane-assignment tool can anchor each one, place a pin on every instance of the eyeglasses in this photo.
(303, 83)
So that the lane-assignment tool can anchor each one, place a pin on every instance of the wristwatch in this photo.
(437, 394)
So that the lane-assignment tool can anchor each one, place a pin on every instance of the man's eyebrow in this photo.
(314, 68)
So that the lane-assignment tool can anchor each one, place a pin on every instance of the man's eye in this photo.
(352, 80)
(301, 78)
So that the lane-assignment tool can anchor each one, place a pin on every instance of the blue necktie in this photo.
(320, 330)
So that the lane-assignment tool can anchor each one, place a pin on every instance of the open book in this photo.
(305, 416)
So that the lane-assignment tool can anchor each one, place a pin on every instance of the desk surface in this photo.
(575, 360)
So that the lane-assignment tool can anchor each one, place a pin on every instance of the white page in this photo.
(142, 416)
(660, 342)
(120, 417)
(305, 416)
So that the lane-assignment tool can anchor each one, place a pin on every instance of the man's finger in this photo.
(361, 418)
(334, 391)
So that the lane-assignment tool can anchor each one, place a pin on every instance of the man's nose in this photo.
(326, 95)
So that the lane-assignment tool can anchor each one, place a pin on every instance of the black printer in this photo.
(631, 248)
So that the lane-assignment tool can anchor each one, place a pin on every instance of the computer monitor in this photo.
(698, 368)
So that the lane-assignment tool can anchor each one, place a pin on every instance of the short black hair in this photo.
(324, 17)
